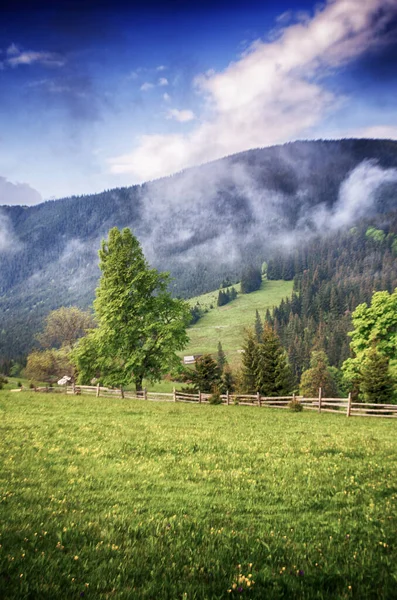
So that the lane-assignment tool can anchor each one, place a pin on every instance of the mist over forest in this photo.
(202, 225)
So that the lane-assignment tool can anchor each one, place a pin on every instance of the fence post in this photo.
(121, 391)
(174, 393)
(319, 399)
(349, 405)
(145, 393)
(227, 397)
(258, 398)
(199, 396)
(74, 387)
(97, 390)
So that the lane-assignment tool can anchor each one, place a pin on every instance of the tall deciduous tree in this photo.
(140, 326)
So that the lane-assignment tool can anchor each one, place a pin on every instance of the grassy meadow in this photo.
(117, 499)
(226, 324)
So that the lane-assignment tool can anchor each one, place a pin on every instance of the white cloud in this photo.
(163, 81)
(183, 116)
(166, 97)
(146, 86)
(18, 57)
(161, 68)
(272, 94)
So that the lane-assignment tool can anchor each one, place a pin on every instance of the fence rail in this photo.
(320, 404)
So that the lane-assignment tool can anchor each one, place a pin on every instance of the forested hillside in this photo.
(202, 225)
(332, 275)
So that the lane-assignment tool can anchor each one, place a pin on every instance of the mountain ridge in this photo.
(201, 224)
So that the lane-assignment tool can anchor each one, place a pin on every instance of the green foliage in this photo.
(377, 235)
(48, 365)
(376, 381)
(376, 323)
(207, 375)
(221, 358)
(318, 376)
(295, 406)
(3, 380)
(258, 327)
(272, 373)
(215, 397)
(247, 382)
(251, 280)
(64, 326)
(265, 366)
(140, 326)
(228, 381)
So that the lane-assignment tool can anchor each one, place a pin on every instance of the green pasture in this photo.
(226, 324)
(110, 498)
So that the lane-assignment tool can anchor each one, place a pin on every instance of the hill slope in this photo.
(202, 224)
(226, 324)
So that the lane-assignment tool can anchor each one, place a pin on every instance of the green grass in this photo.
(130, 499)
(226, 324)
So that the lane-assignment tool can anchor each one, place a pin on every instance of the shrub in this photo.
(215, 397)
(295, 405)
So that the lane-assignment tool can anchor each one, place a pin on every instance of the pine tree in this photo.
(318, 376)
(272, 373)
(249, 360)
(221, 358)
(258, 327)
(377, 383)
(228, 382)
(207, 376)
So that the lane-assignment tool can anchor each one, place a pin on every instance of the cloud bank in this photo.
(18, 193)
(275, 92)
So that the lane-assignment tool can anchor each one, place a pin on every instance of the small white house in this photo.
(190, 360)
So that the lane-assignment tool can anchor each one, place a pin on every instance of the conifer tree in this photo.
(318, 376)
(258, 327)
(377, 383)
(272, 373)
(228, 382)
(249, 360)
(207, 376)
(221, 358)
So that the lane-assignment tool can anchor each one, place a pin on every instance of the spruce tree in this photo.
(318, 376)
(377, 383)
(272, 373)
(221, 358)
(228, 382)
(258, 327)
(249, 360)
(207, 376)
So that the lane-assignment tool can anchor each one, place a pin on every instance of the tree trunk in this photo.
(138, 383)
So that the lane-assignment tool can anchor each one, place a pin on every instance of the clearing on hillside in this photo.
(226, 323)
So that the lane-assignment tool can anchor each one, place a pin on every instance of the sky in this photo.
(118, 93)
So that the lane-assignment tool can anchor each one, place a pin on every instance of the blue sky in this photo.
(119, 93)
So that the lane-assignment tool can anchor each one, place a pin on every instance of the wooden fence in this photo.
(333, 405)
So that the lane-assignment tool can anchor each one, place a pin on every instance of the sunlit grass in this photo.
(131, 499)
(226, 324)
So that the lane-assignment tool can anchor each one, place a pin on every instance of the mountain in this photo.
(201, 224)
